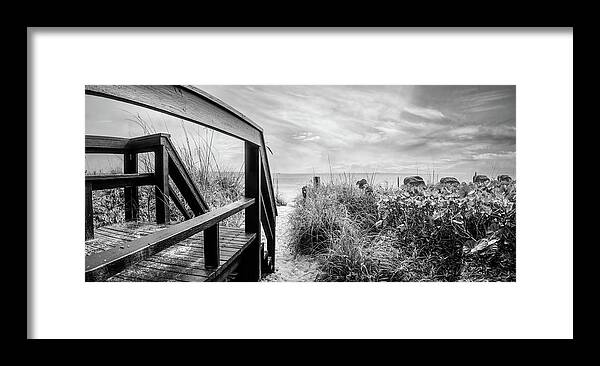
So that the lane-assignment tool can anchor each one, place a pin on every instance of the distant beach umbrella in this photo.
(414, 180)
(504, 178)
(480, 178)
(361, 183)
(449, 180)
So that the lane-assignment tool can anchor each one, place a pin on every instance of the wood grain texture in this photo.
(105, 144)
(130, 166)
(184, 182)
(269, 228)
(104, 264)
(119, 180)
(181, 102)
(183, 261)
(267, 173)
(212, 253)
(96, 144)
(89, 212)
(161, 185)
(252, 172)
(178, 203)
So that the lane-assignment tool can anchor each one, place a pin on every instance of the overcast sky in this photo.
(455, 130)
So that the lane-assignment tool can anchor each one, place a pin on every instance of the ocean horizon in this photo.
(289, 185)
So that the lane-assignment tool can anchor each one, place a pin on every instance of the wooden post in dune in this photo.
(316, 181)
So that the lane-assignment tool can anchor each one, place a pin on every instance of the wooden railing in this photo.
(194, 105)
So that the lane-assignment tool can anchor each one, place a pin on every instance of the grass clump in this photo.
(279, 200)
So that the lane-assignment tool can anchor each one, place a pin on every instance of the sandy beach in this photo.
(287, 266)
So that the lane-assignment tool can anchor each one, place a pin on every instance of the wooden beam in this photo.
(269, 192)
(89, 212)
(212, 253)
(252, 171)
(161, 187)
(232, 264)
(269, 228)
(218, 102)
(178, 203)
(184, 182)
(147, 143)
(102, 265)
(95, 144)
(119, 180)
(105, 144)
(182, 102)
(132, 204)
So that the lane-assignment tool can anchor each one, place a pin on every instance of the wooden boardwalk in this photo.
(198, 248)
(183, 261)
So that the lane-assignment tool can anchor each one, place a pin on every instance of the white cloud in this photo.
(424, 112)
(306, 136)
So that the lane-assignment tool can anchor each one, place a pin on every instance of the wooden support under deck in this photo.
(161, 175)
(252, 214)
(130, 165)
(212, 252)
(89, 212)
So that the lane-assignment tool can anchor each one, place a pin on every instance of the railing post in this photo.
(212, 252)
(271, 248)
(89, 212)
(252, 186)
(270, 218)
(130, 165)
(317, 181)
(161, 189)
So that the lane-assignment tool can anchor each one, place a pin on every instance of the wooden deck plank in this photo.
(143, 274)
(190, 256)
(183, 261)
(165, 273)
(183, 269)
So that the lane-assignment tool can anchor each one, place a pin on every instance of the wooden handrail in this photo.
(95, 144)
(105, 144)
(100, 266)
(119, 180)
(181, 102)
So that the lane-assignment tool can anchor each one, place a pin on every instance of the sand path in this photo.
(288, 267)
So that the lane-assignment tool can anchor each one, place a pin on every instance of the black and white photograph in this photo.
(300, 183)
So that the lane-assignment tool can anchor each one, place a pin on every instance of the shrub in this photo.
(432, 233)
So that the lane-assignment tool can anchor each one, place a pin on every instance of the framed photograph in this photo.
(324, 177)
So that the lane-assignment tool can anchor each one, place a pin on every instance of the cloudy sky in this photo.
(455, 130)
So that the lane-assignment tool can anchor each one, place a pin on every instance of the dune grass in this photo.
(432, 233)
